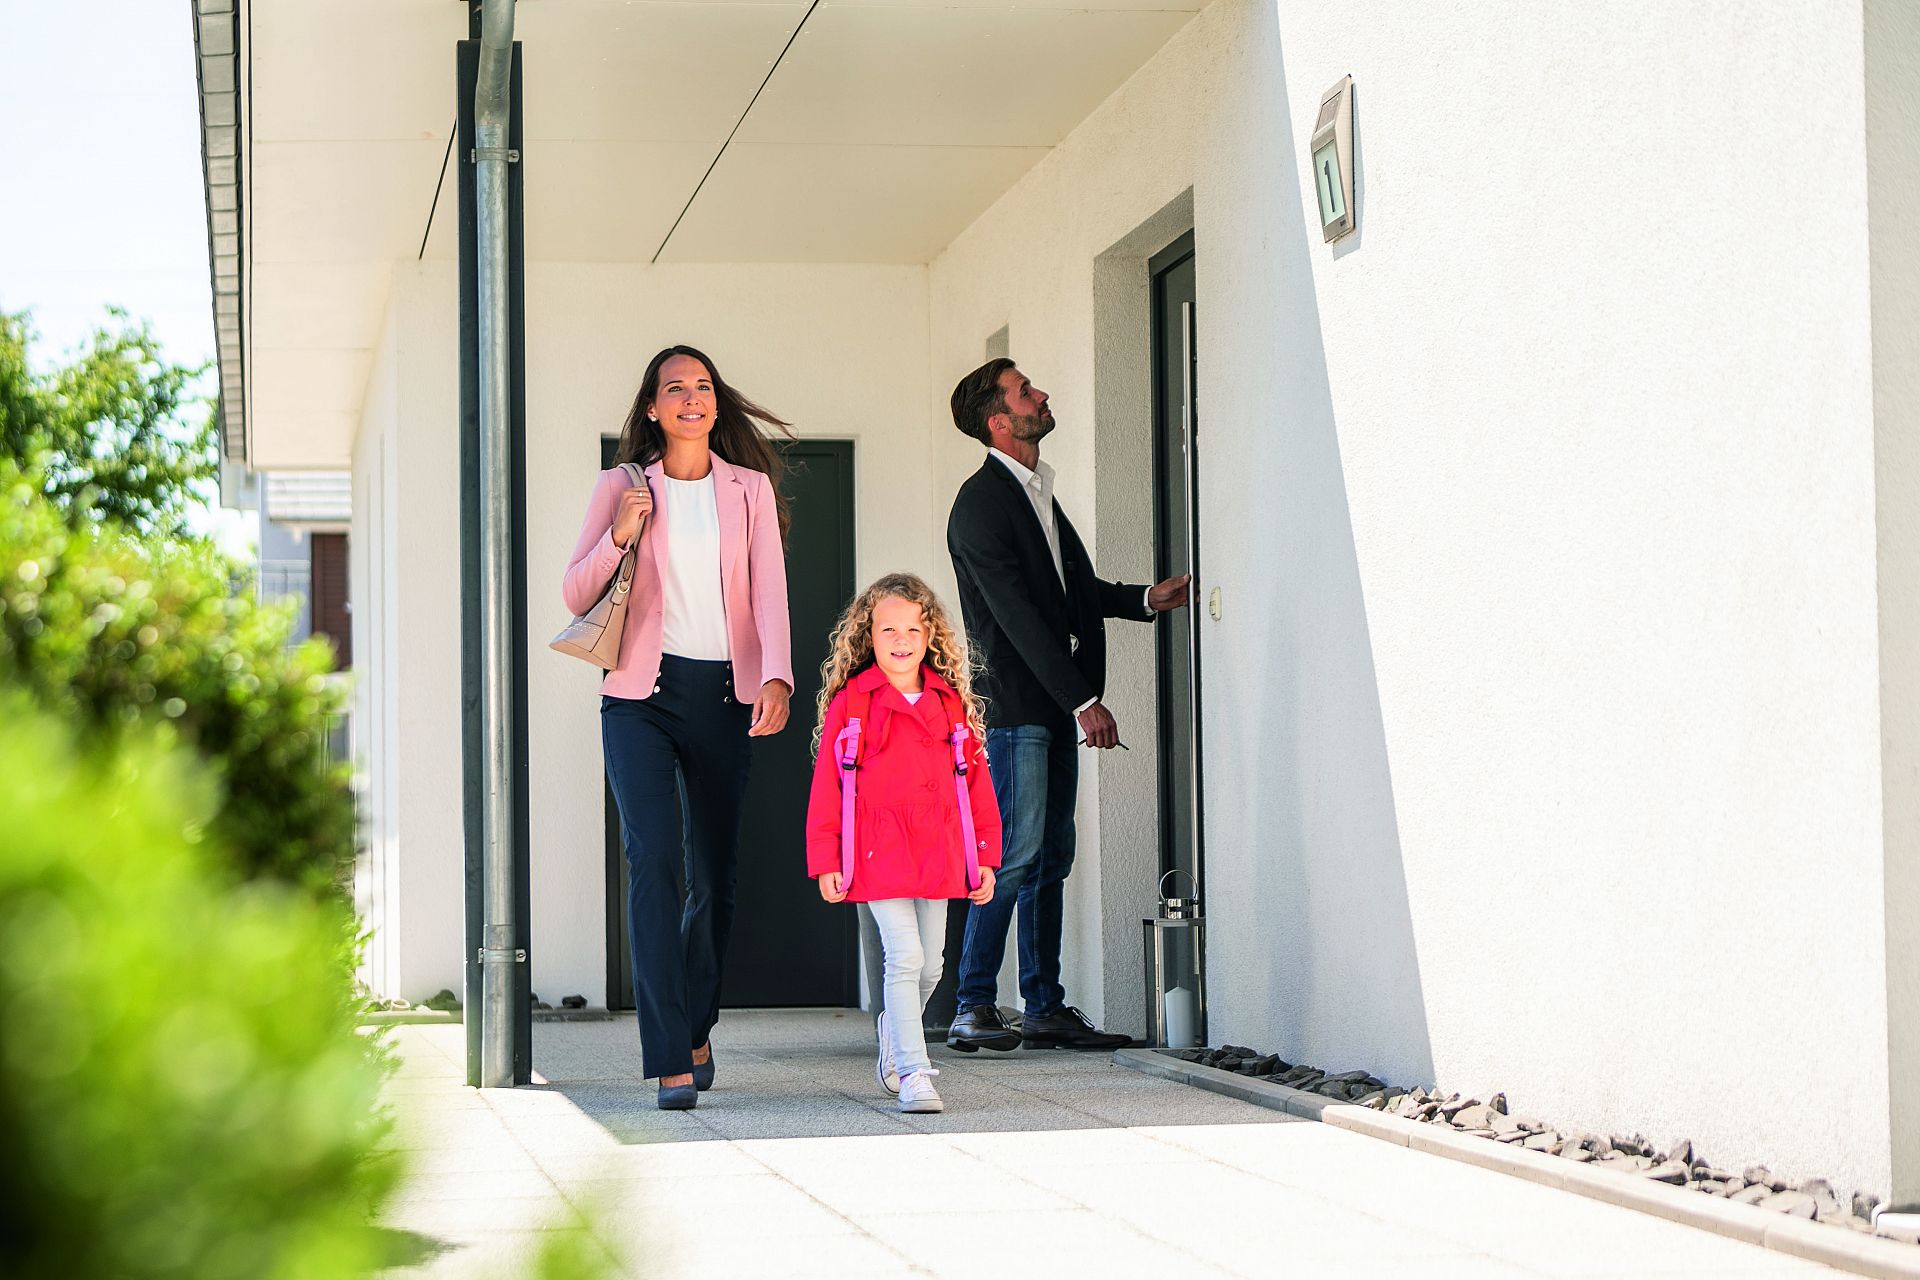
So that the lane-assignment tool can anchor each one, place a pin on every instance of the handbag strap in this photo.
(623, 579)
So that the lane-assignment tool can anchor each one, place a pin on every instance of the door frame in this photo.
(620, 995)
(1179, 251)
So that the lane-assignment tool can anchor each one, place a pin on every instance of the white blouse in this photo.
(695, 625)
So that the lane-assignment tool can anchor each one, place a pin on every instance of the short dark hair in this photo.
(978, 397)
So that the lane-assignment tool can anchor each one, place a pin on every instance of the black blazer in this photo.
(1020, 623)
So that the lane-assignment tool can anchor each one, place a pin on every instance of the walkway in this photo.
(1044, 1163)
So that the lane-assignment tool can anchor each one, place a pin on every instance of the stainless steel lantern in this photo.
(1173, 942)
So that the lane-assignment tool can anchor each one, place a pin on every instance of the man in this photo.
(1035, 617)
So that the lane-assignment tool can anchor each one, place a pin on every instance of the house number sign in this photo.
(1332, 150)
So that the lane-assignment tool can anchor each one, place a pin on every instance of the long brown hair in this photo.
(740, 435)
(850, 650)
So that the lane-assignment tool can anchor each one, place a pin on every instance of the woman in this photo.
(705, 664)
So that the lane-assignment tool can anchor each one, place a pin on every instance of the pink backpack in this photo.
(846, 751)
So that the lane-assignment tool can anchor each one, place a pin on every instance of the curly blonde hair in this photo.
(850, 650)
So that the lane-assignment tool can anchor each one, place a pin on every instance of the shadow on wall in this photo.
(1351, 242)
(1315, 947)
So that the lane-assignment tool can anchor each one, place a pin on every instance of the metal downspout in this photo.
(491, 111)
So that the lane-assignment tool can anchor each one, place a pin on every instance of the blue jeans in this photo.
(1036, 771)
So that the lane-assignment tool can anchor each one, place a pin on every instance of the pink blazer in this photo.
(753, 574)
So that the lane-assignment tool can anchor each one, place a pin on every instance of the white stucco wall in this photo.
(1892, 47)
(1542, 729)
(375, 713)
(407, 714)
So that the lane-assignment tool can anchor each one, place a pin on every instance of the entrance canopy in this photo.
(656, 131)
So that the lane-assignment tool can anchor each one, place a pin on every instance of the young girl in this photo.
(900, 726)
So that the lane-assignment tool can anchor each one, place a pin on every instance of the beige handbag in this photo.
(594, 636)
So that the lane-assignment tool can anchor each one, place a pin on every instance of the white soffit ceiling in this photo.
(886, 128)
(348, 107)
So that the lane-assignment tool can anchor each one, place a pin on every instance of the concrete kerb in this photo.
(409, 1018)
(1815, 1242)
(421, 1016)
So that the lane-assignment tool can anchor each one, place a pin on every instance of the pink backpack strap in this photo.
(960, 738)
(846, 752)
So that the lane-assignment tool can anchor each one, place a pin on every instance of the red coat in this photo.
(906, 815)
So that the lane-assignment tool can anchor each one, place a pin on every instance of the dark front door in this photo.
(327, 584)
(1176, 484)
(789, 947)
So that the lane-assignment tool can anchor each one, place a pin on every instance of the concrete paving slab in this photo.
(1074, 1149)
(1078, 1241)
(851, 1257)
(462, 1158)
(459, 1220)
(647, 1162)
(469, 1184)
(796, 1165)
(738, 1206)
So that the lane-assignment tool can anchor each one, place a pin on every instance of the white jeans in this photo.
(913, 941)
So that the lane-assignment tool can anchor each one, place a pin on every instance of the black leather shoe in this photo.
(1068, 1029)
(981, 1027)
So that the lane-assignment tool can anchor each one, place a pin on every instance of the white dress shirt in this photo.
(1038, 484)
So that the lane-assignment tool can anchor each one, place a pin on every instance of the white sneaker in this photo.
(883, 1069)
(917, 1093)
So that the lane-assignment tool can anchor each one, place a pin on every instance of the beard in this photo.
(1032, 427)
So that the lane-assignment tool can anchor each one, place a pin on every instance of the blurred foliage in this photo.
(119, 434)
(182, 1093)
(574, 1250)
(112, 631)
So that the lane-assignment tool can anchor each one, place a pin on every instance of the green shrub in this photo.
(110, 630)
(182, 1093)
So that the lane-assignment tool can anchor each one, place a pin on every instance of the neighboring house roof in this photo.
(309, 497)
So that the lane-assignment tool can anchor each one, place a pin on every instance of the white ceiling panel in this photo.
(307, 380)
(346, 201)
(951, 77)
(1188, 7)
(376, 69)
(842, 204)
(336, 304)
(658, 70)
(294, 439)
(607, 201)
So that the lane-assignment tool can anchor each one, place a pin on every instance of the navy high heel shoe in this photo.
(703, 1071)
(678, 1097)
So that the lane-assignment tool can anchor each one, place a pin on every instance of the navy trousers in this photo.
(684, 750)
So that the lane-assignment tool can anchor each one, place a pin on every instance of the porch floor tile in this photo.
(795, 1164)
